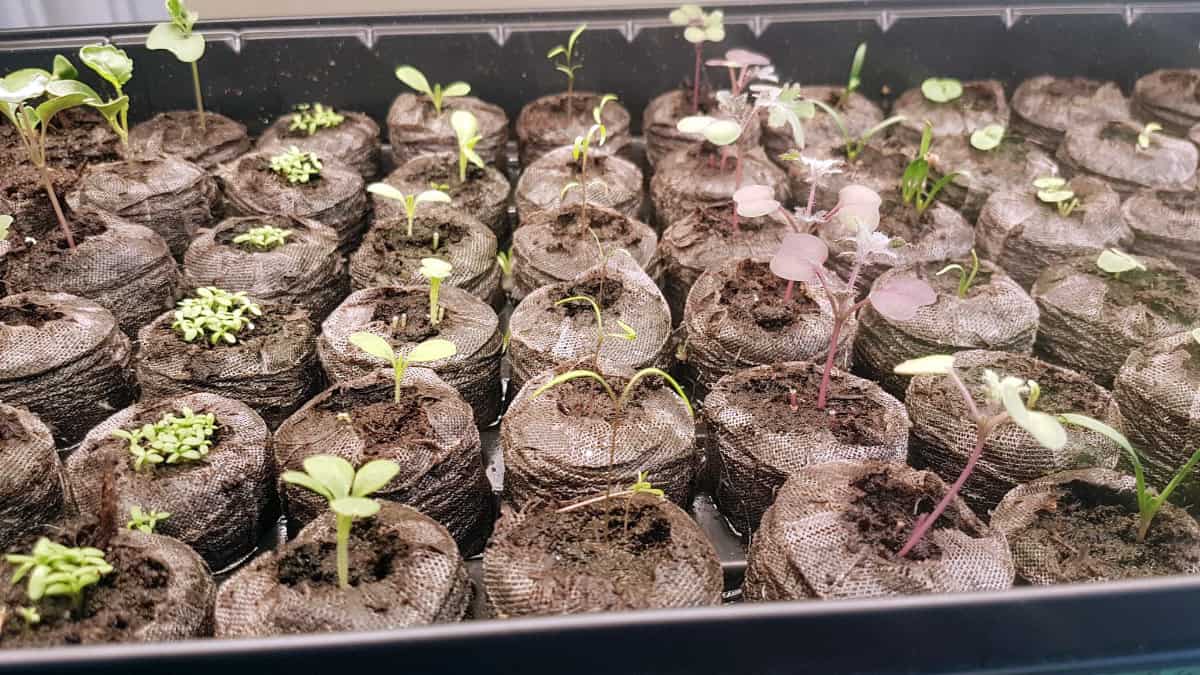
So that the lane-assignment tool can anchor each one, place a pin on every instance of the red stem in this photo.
(696, 78)
(927, 522)
(833, 341)
(48, 183)
(787, 295)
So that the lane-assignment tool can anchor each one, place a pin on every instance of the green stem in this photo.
(199, 96)
(398, 368)
(434, 285)
(343, 550)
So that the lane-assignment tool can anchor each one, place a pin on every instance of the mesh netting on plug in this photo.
(982, 103)
(32, 484)
(415, 128)
(65, 359)
(23, 196)
(943, 433)
(306, 271)
(544, 336)
(1169, 96)
(663, 113)
(758, 437)
(544, 124)
(171, 196)
(695, 176)
(613, 181)
(835, 529)
(178, 134)
(400, 315)
(629, 552)
(1011, 166)
(123, 267)
(1109, 151)
(996, 314)
(1044, 107)
(219, 505)
(354, 142)
(483, 196)
(430, 433)
(1024, 235)
(404, 571)
(1166, 225)
(822, 135)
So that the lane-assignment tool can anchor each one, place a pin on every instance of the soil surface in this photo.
(606, 292)
(1167, 293)
(585, 397)
(1061, 390)
(471, 196)
(374, 557)
(551, 113)
(410, 311)
(28, 314)
(380, 420)
(887, 511)
(569, 233)
(753, 294)
(396, 252)
(52, 251)
(947, 284)
(850, 414)
(258, 172)
(225, 237)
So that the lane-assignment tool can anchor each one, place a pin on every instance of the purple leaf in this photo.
(858, 205)
(799, 258)
(754, 201)
(899, 298)
(745, 57)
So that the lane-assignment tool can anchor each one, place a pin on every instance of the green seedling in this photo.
(466, 131)
(503, 258)
(1149, 503)
(915, 187)
(581, 152)
(941, 89)
(856, 66)
(116, 68)
(1146, 135)
(965, 278)
(1116, 262)
(416, 81)
(567, 62)
(214, 315)
(425, 352)
(264, 238)
(347, 492)
(1054, 190)
(311, 118)
(854, 145)
(785, 106)
(641, 486)
(436, 271)
(296, 165)
(29, 615)
(145, 520)
(410, 202)
(627, 332)
(177, 37)
(173, 439)
(6, 222)
(701, 27)
(55, 570)
(987, 138)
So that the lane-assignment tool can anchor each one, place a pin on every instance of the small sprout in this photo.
(581, 151)
(347, 492)
(941, 89)
(410, 202)
(312, 118)
(817, 170)
(264, 238)
(173, 439)
(1146, 135)
(701, 27)
(344, 418)
(914, 184)
(856, 66)
(568, 65)
(177, 37)
(115, 67)
(1148, 502)
(854, 145)
(716, 131)
(1115, 262)
(965, 278)
(214, 314)
(435, 271)
(30, 615)
(6, 222)
(296, 165)
(745, 67)
(416, 81)
(466, 130)
(987, 138)
(55, 570)
(784, 105)
(425, 352)
(1054, 190)
(504, 260)
(627, 332)
(145, 520)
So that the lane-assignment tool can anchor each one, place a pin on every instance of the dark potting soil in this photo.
(569, 232)
(470, 196)
(753, 294)
(1168, 293)
(850, 414)
(77, 137)
(410, 312)
(377, 417)
(585, 397)
(52, 252)
(399, 252)
(21, 181)
(1062, 391)
(551, 112)
(717, 220)
(1094, 532)
(705, 160)
(886, 513)
(28, 314)
(606, 292)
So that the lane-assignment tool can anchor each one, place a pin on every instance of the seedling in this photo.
(941, 89)
(1115, 262)
(177, 37)
(641, 486)
(503, 258)
(1009, 399)
(435, 271)
(581, 152)
(854, 145)
(852, 85)
(263, 238)
(1149, 503)
(6, 222)
(1054, 190)
(568, 65)
(784, 106)
(965, 278)
(116, 68)
(744, 67)
(817, 170)
(55, 570)
(145, 520)
(466, 131)
(627, 332)
(416, 81)
(347, 492)
(410, 202)
(801, 257)
(311, 118)
(214, 315)
(987, 138)
(296, 165)
(915, 187)
(701, 27)
(425, 352)
(1146, 135)
(173, 439)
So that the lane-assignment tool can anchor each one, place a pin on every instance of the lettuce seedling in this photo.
(1148, 502)
(296, 165)
(55, 570)
(1115, 262)
(347, 491)
(581, 152)
(569, 64)
(435, 271)
(627, 332)
(214, 315)
(854, 145)
(856, 66)
(410, 202)
(744, 67)
(1009, 399)
(701, 27)
(1054, 190)
(987, 138)
(145, 520)
(965, 278)
(915, 187)
(1146, 135)
(115, 67)
(264, 238)
(311, 118)
(941, 89)
(173, 439)
(466, 131)
(425, 352)
(177, 37)
(416, 81)
(801, 257)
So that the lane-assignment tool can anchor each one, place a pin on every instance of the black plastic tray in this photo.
(255, 70)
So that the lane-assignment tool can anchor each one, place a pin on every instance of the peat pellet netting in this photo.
(1166, 225)
(1111, 151)
(32, 485)
(612, 181)
(416, 128)
(1170, 96)
(697, 176)
(550, 122)
(1044, 107)
(484, 195)
(178, 133)
(354, 142)
(661, 117)
(982, 102)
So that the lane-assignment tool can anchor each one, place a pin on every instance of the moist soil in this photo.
(551, 113)
(21, 181)
(71, 142)
(606, 292)
(1094, 531)
(28, 314)
(585, 397)
(1167, 293)
(850, 414)
(1061, 390)
(413, 308)
(752, 294)
(471, 196)
(266, 325)
(887, 510)
(568, 233)
(52, 252)
(384, 422)
(396, 252)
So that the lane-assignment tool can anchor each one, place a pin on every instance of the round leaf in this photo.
(372, 476)
(373, 345)
(464, 124)
(21, 85)
(900, 298)
(754, 201)
(934, 364)
(110, 62)
(988, 137)
(798, 258)
(434, 268)
(414, 79)
(941, 89)
(432, 350)
(188, 48)
(354, 507)
(694, 124)
(694, 34)
(745, 57)
(1114, 262)
(722, 132)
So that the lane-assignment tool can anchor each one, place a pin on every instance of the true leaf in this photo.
(372, 476)
(63, 68)
(335, 473)
(109, 62)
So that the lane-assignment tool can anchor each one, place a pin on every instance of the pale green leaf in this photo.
(722, 132)
(433, 196)
(694, 34)
(6, 222)
(435, 268)
(22, 85)
(575, 37)
(415, 79)
(432, 350)
(335, 473)
(306, 481)
(941, 89)
(373, 345)
(354, 507)
(386, 191)
(988, 137)
(373, 476)
(1099, 427)
(63, 68)
(110, 62)
(464, 124)
(1114, 261)
(188, 48)
(456, 89)
(935, 364)
(694, 124)
(1049, 182)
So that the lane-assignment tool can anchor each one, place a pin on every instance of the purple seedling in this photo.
(744, 67)
(701, 27)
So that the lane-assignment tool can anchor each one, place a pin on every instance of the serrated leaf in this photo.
(432, 350)
(354, 507)
(373, 476)
(335, 473)
(373, 345)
